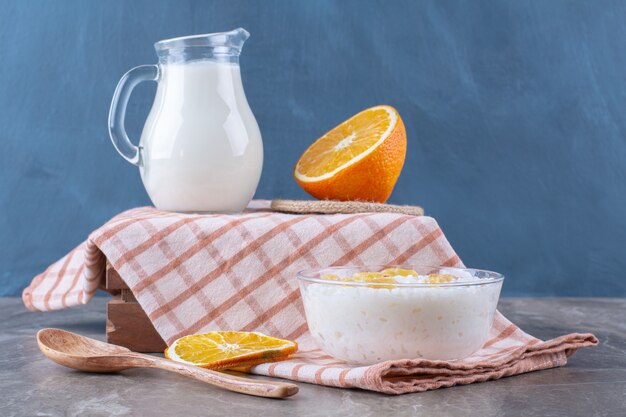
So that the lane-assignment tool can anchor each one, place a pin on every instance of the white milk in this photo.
(202, 148)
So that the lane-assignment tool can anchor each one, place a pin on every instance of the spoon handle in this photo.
(259, 388)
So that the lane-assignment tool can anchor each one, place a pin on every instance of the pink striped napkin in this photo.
(196, 273)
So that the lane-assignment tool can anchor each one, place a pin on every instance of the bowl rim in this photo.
(494, 277)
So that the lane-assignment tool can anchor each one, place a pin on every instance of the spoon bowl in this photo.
(83, 353)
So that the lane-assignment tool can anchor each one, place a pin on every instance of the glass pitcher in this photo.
(200, 149)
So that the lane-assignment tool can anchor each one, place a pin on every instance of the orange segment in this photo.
(377, 279)
(360, 159)
(440, 278)
(399, 271)
(223, 350)
(371, 277)
(333, 277)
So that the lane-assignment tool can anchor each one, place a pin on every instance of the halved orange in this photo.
(223, 350)
(360, 159)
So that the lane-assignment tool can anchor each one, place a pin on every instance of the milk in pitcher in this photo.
(198, 136)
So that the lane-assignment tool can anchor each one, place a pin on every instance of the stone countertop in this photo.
(592, 384)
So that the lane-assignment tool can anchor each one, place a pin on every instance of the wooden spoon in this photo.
(80, 352)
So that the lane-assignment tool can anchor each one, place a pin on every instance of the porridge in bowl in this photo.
(365, 315)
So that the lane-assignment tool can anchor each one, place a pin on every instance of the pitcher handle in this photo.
(117, 113)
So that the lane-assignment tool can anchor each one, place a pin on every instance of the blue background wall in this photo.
(515, 113)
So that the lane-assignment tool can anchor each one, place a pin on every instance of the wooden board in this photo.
(127, 323)
(113, 281)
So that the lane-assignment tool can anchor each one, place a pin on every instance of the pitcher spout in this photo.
(238, 37)
(226, 43)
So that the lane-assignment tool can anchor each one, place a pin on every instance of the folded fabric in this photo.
(194, 273)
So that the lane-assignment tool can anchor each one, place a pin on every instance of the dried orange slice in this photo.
(223, 350)
(360, 159)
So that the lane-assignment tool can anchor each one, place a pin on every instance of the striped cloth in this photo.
(196, 273)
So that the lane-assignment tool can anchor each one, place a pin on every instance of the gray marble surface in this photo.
(592, 384)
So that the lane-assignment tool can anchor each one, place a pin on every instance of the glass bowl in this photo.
(365, 323)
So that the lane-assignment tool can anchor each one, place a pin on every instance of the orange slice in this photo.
(223, 350)
(360, 159)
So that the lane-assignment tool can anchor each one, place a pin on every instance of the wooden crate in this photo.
(127, 323)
